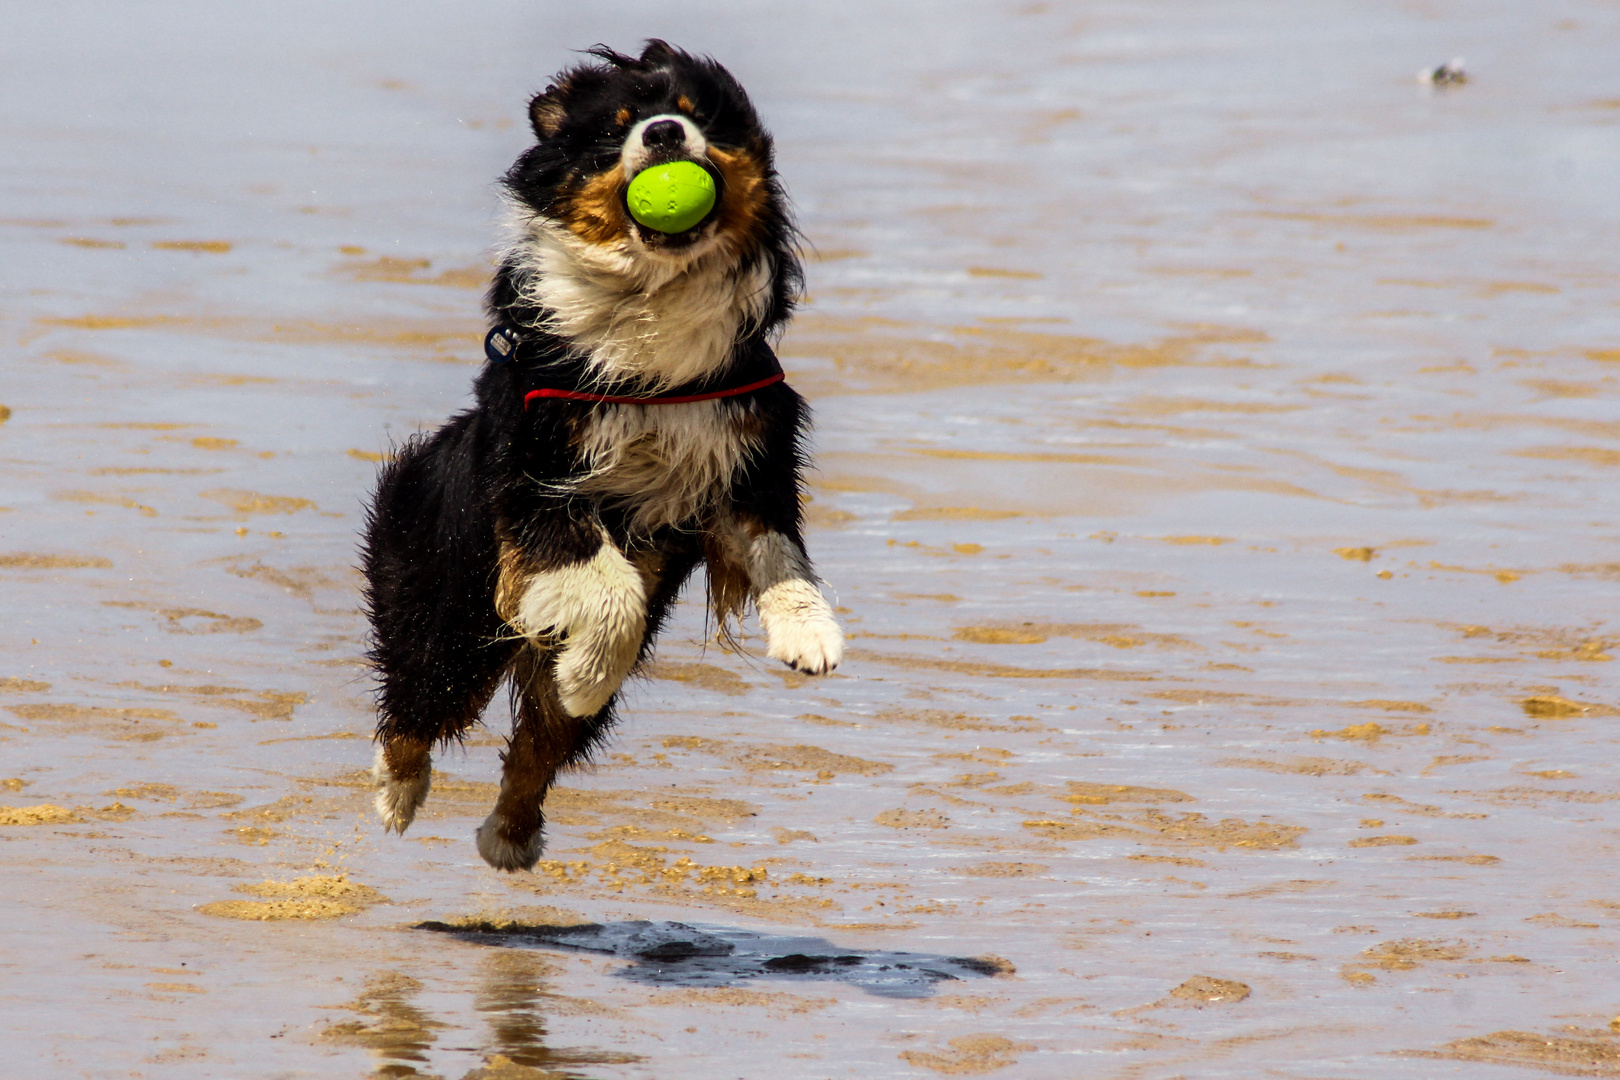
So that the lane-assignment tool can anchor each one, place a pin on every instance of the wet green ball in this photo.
(671, 198)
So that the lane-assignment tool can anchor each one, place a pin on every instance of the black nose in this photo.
(663, 133)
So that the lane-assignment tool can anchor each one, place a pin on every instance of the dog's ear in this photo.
(657, 53)
(547, 112)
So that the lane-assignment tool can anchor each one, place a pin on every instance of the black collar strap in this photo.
(562, 377)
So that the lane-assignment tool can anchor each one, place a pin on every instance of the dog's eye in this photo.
(623, 117)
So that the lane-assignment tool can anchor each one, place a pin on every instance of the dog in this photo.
(631, 422)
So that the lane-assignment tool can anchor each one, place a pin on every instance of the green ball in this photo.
(671, 198)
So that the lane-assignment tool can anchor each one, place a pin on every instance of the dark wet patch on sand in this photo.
(676, 954)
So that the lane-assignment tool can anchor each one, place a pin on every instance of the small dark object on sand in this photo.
(1450, 73)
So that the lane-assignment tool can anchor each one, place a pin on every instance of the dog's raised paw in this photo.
(800, 628)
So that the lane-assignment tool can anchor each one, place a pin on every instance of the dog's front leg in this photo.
(799, 626)
(594, 612)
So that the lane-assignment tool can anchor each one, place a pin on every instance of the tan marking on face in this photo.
(623, 117)
(684, 104)
(745, 195)
(595, 211)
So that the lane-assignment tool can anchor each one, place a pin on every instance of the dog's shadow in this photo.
(676, 954)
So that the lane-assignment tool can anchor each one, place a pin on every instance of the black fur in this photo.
(497, 475)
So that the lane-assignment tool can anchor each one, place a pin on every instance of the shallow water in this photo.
(1215, 439)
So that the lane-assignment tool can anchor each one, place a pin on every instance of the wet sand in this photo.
(1216, 445)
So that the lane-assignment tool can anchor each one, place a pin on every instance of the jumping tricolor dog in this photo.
(630, 423)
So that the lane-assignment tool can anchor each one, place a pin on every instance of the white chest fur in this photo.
(635, 315)
(665, 464)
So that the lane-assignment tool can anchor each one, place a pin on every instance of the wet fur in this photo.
(543, 547)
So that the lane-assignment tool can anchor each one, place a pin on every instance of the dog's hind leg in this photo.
(402, 770)
(586, 622)
(546, 737)
(436, 645)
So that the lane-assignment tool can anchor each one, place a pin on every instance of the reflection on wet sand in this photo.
(395, 1031)
(403, 1037)
(513, 1001)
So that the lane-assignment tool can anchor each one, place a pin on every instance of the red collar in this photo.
(671, 398)
(550, 371)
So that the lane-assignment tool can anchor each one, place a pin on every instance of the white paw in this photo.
(503, 854)
(599, 609)
(799, 627)
(398, 800)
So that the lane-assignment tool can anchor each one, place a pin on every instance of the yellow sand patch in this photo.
(1465, 860)
(1393, 706)
(154, 792)
(877, 354)
(275, 910)
(998, 272)
(409, 272)
(1592, 455)
(705, 676)
(1201, 990)
(1036, 457)
(271, 704)
(727, 809)
(1355, 732)
(43, 814)
(1300, 766)
(1549, 1053)
(517, 918)
(968, 1055)
(105, 498)
(994, 671)
(628, 864)
(320, 896)
(1082, 793)
(213, 621)
(954, 513)
(913, 819)
(1408, 953)
(995, 635)
(251, 502)
(1393, 222)
(35, 560)
(805, 758)
(211, 247)
(1003, 869)
(1553, 707)
(46, 814)
(1152, 826)
(138, 725)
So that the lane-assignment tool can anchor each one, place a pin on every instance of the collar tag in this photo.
(500, 344)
